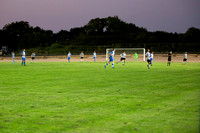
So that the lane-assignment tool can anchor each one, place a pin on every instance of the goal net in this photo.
(129, 53)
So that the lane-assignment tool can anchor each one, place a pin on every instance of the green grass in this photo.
(86, 97)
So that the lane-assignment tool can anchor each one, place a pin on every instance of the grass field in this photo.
(86, 97)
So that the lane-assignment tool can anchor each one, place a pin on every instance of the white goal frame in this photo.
(109, 49)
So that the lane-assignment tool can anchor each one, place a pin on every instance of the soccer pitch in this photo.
(86, 97)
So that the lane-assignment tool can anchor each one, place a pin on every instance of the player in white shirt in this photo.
(32, 57)
(82, 55)
(69, 56)
(111, 58)
(23, 57)
(94, 56)
(151, 57)
(185, 58)
(148, 55)
(123, 58)
(13, 57)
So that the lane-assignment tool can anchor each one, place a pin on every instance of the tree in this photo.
(192, 35)
(75, 32)
(14, 32)
(62, 35)
(96, 26)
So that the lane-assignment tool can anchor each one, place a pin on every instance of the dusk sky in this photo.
(154, 15)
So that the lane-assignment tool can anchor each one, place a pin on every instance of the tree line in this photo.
(98, 34)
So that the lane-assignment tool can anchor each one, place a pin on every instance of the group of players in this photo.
(81, 55)
(23, 54)
(149, 56)
(123, 58)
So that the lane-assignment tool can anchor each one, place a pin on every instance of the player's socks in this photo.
(148, 66)
(112, 65)
(24, 64)
(106, 65)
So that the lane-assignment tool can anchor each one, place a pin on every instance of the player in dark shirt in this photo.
(169, 58)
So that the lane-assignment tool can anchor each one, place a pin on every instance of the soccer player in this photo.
(82, 55)
(185, 58)
(32, 57)
(13, 57)
(94, 56)
(123, 58)
(169, 58)
(111, 58)
(69, 56)
(148, 55)
(151, 57)
(135, 56)
(23, 57)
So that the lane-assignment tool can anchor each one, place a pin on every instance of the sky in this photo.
(154, 15)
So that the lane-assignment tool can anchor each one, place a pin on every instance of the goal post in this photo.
(129, 53)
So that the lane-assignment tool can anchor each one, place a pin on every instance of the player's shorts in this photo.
(23, 59)
(123, 59)
(81, 57)
(33, 58)
(169, 59)
(111, 58)
(149, 61)
(69, 58)
(13, 57)
(184, 59)
(94, 57)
